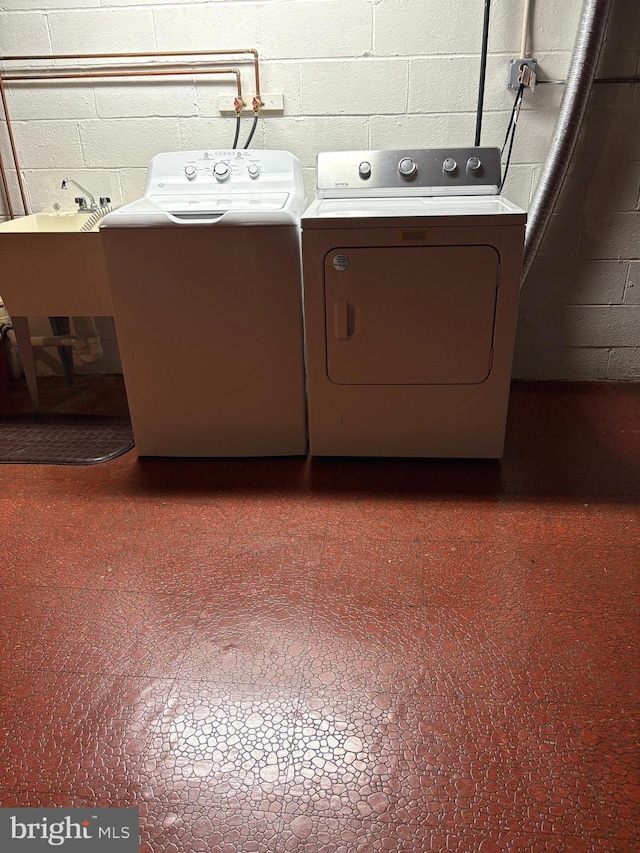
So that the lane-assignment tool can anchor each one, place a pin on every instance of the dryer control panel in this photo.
(408, 172)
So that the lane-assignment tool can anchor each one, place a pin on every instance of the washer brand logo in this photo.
(109, 830)
(341, 184)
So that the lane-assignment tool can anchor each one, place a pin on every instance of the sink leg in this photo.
(23, 337)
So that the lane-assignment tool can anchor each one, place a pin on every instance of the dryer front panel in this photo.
(418, 315)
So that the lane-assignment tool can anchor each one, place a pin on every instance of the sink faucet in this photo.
(81, 201)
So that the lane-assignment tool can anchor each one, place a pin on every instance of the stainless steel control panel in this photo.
(406, 172)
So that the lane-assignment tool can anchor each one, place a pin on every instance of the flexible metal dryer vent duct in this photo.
(584, 63)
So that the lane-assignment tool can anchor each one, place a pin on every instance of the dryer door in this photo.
(417, 315)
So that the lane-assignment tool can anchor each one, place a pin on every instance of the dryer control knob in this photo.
(407, 167)
(221, 171)
(254, 170)
(449, 165)
(473, 164)
(191, 172)
(364, 169)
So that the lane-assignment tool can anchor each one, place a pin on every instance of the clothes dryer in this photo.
(411, 267)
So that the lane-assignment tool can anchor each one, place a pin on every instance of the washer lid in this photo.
(232, 210)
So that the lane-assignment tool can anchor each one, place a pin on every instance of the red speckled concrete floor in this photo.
(280, 655)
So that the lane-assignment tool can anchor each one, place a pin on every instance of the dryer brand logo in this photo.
(107, 830)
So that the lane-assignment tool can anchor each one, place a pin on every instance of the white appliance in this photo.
(411, 269)
(206, 283)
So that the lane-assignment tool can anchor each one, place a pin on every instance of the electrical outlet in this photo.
(515, 65)
(273, 105)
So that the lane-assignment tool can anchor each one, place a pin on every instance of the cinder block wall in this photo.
(365, 74)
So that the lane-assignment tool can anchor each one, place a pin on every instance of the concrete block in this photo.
(441, 84)
(406, 27)
(607, 188)
(592, 185)
(127, 142)
(553, 26)
(202, 133)
(517, 187)
(632, 290)
(102, 31)
(614, 131)
(579, 326)
(533, 134)
(623, 30)
(436, 130)
(48, 144)
(323, 28)
(132, 182)
(358, 87)
(214, 26)
(48, 5)
(305, 137)
(22, 33)
(624, 364)
(144, 97)
(146, 2)
(51, 100)
(560, 363)
(14, 192)
(610, 235)
(577, 282)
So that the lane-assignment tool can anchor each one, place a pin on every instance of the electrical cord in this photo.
(253, 130)
(511, 132)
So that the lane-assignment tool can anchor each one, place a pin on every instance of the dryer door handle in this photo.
(343, 316)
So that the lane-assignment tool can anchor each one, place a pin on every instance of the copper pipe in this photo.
(89, 75)
(14, 151)
(147, 54)
(80, 75)
(5, 186)
(133, 73)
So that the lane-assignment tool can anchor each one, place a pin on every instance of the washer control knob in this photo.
(254, 170)
(191, 172)
(473, 164)
(407, 167)
(221, 171)
(449, 165)
(364, 169)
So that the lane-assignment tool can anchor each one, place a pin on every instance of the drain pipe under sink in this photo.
(87, 349)
(584, 63)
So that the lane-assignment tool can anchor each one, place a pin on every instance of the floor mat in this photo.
(57, 439)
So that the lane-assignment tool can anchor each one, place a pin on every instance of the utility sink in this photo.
(50, 268)
(47, 222)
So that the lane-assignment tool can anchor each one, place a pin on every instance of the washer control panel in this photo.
(427, 171)
(222, 166)
(224, 170)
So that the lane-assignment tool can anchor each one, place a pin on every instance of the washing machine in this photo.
(205, 274)
(411, 269)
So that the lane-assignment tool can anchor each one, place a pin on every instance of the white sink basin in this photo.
(49, 268)
(46, 222)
